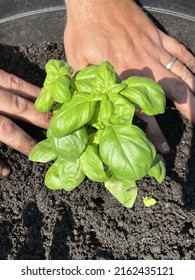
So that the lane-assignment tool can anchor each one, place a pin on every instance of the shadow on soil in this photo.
(33, 245)
(5, 240)
(189, 183)
(189, 191)
(63, 232)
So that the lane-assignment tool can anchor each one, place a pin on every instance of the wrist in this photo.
(90, 10)
(84, 3)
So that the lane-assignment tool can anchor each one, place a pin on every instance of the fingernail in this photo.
(165, 147)
(5, 171)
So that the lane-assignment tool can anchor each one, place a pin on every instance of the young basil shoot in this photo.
(92, 133)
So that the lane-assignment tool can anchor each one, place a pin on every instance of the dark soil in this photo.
(88, 223)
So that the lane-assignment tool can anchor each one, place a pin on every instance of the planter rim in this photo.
(169, 12)
(40, 23)
(63, 9)
(32, 13)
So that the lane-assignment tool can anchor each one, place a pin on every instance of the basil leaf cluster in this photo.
(92, 133)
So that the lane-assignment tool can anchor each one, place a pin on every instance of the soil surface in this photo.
(88, 223)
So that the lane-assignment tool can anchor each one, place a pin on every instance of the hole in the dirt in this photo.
(186, 228)
(181, 251)
(98, 201)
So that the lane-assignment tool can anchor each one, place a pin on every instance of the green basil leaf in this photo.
(85, 79)
(105, 76)
(59, 67)
(42, 152)
(116, 88)
(123, 112)
(72, 116)
(50, 77)
(105, 111)
(146, 94)
(70, 147)
(49, 135)
(93, 121)
(52, 178)
(44, 101)
(94, 138)
(124, 191)
(71, 174)
(56, 107)
(158, 170)
(60, 89)
(92, 165)
(117, 111)
(127, 152)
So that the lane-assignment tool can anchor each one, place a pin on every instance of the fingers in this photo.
(16, 96)
(14, 106)
(180, 70)
(154, 133)
(180, 95)
(178, 50)
(4, 169)
(18, 86)
(177, 90)
(179, 81)
(15, 137)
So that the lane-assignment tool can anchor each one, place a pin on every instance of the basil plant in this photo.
(92, 133)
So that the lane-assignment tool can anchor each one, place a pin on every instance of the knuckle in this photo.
(7, 127)
(15, 83)
(185, 73)
(4, 79)
(28, 145)
(182, 50)
(20, 104)
(48, 117)
(144, 54)
(2, 74)
(178, 91)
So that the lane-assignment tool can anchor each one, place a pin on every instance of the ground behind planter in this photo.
(88, 223)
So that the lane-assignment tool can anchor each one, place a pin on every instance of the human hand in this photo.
(17, 97)
(119, 32)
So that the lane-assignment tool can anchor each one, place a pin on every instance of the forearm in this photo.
(91, 3)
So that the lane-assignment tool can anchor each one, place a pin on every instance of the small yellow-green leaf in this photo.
(149, 201)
